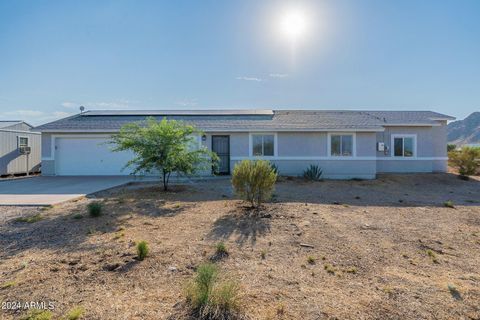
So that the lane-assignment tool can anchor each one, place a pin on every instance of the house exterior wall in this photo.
(11, 161)
(308, 144)
(46, 146)
(295, 151)
(332, 169)
(431, 148)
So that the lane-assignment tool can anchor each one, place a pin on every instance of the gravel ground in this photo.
(383, 249)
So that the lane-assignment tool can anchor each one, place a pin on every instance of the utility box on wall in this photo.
(381, 146)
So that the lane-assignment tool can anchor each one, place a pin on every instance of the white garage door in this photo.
(89, 157)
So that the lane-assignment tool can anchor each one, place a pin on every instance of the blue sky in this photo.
(356, 54)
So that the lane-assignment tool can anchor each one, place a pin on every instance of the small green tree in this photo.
(254, 180)
(166, 146)
(465, 160)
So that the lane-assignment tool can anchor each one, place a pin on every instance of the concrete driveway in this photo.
(43, 191)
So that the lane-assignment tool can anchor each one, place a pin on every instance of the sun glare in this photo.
(294, 24)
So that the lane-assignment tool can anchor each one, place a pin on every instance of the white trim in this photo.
(403, 135)
(307, 158)
(354, 145)
(342, 158)
(412, 158)
(250, 144)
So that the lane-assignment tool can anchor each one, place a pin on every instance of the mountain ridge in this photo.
(466, 131)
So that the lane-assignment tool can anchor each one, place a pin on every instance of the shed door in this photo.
(221, 146)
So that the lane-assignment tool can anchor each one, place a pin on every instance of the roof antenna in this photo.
(82, 108)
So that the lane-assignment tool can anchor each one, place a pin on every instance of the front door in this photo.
(221, 146)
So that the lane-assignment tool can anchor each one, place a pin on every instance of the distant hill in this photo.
(465, 131)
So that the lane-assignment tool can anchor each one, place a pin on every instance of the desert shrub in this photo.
(451, 147)
(220, 248)
(95, 209)
(466, 160)
(448, 204)
(30, 219)
(351, 270)
(75, 313)
(432, 255)
(36, 314)
(329, 268)
(8, 284)
(210, 298)
(254, 181)
(311, 260)
(77, 216)
(263, 254)
(313, 173)
(142, 250)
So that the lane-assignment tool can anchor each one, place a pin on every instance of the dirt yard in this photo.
(384, 249)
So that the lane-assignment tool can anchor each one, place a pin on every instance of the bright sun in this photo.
(294, 24)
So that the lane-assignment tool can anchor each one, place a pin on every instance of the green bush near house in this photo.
(313, 173)
(275, 168)
(451, 147)
(465, 160)
(254, 181)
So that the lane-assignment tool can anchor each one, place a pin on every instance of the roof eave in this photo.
(379, 129)
(411, 124)
(446, 118)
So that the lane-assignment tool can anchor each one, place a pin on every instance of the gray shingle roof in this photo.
(8, 123)
(249, 120)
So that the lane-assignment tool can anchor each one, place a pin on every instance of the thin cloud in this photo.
(116, 104)
(278, 75)
(22, 114)
(187, 103)
(34, 117)
(69, 104)
(250, 79)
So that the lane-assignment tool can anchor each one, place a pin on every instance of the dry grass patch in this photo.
(375, 248)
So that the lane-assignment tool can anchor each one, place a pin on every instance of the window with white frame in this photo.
(403, 146)
(341, 145)
(263, 145)
(22, 142)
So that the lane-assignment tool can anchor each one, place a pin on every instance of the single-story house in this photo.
(19, 148)
(345, 144)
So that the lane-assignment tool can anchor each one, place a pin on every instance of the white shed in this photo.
(19, 148)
